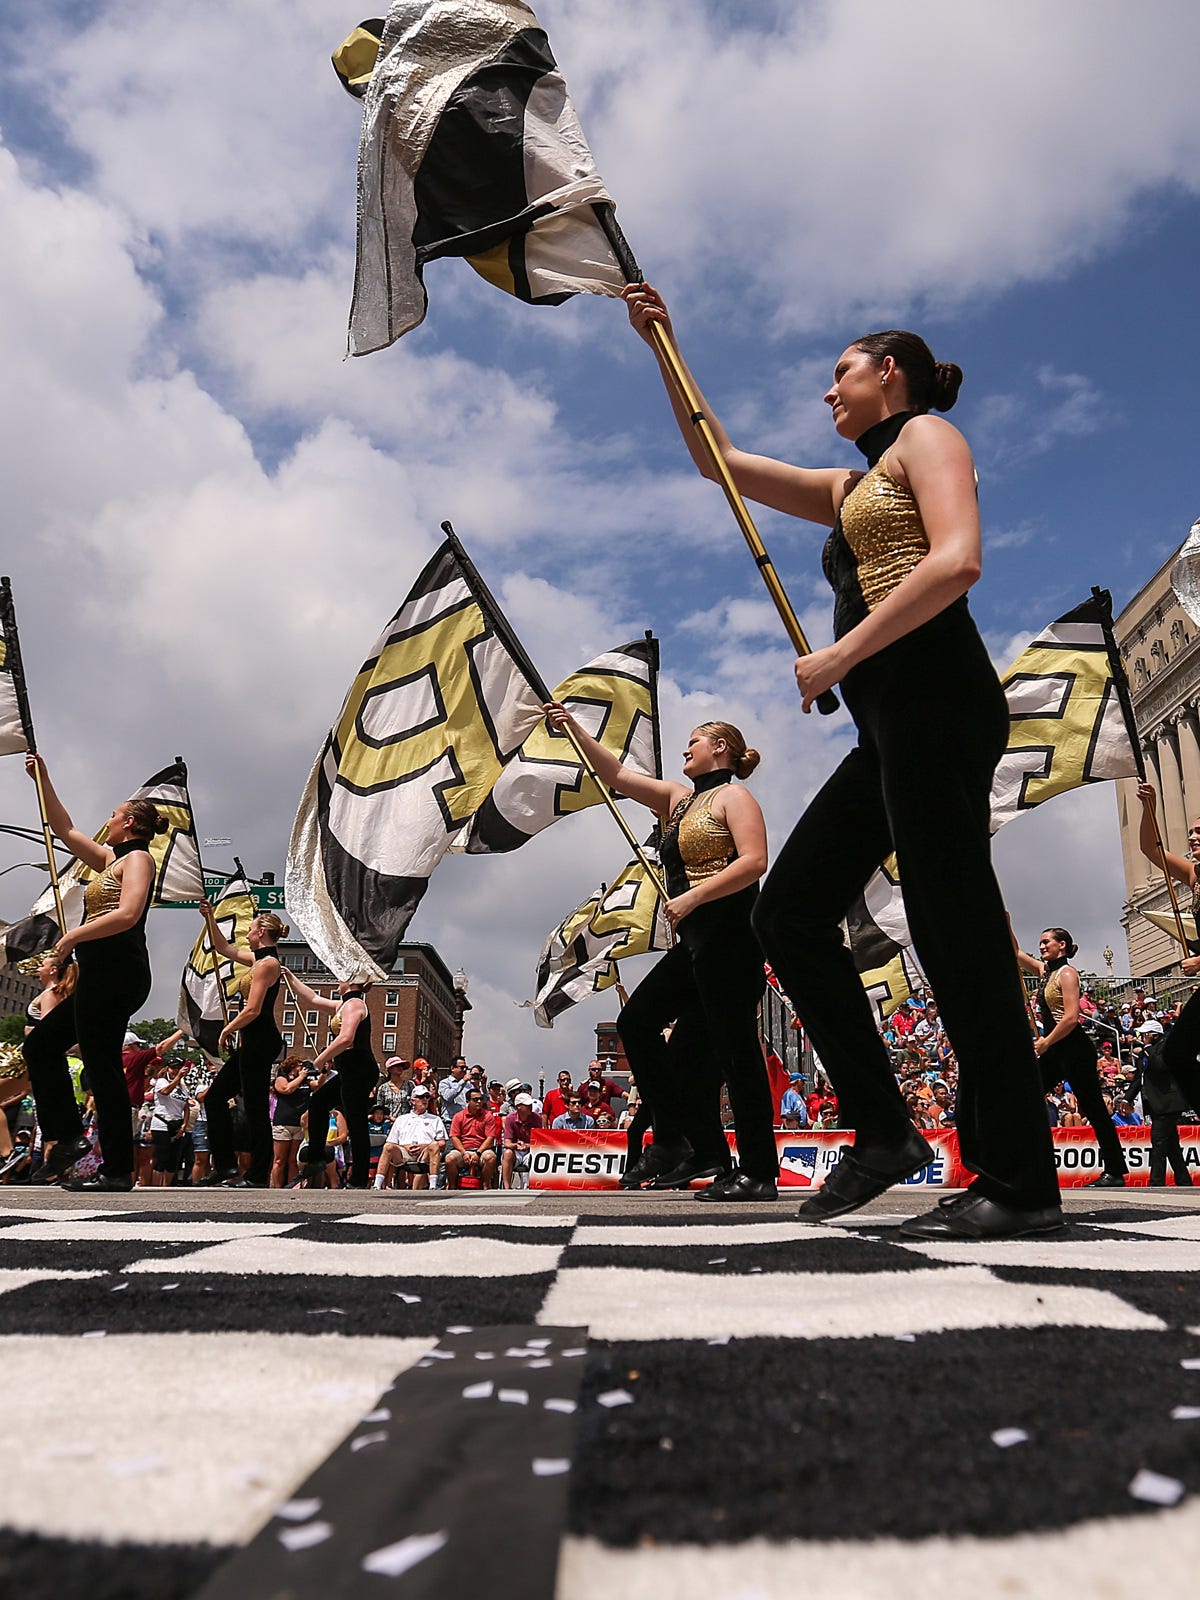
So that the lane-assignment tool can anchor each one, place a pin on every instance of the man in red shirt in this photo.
(136, 1058)
(518, 1126)
(594, 1100)
(473, 1135)
(555, 1103)
(606, 1086)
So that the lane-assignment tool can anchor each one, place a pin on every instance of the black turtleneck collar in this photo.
(1052, 966)
(124, 848)
(264, 951)
(713, 779)
(882, 436)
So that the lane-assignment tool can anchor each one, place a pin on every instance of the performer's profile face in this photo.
(1193, 850)
(701, 754)
(856, 395)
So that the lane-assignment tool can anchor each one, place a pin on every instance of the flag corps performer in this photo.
(114, 981)
(1065, 1052)
(355, 1075)
(904, 549)
(254, 1042)
(714, 850)
(1182, 1045)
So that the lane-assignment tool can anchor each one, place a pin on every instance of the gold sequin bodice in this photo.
(882, 525)
(102, 894)
(1052, 990)
(705, 843)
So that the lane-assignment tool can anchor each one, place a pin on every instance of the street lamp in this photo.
(1107, 954)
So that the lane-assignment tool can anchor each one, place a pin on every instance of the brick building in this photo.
(417, 1012)
(16, 991)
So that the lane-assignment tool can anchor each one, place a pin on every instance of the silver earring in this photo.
(884, 378)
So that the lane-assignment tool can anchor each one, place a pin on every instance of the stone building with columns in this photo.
(1161, 649)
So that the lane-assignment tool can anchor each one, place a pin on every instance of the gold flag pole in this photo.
(668, 352)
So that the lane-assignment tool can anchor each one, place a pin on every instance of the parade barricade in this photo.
(594, 1159)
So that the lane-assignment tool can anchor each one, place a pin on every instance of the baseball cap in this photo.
(130, 1040)
(420, 1062)
(1150, 1027)
(524, 1100)
(420, 1092)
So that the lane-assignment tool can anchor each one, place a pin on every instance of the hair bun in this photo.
(749, 760)
(284, 930)
(947, 379)
(161, 824)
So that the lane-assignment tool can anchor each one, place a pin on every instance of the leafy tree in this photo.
(12, 1028)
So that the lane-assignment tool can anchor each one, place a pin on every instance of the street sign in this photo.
(266, 896)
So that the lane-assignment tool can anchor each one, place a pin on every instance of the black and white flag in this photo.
(201, 1014)
(615, 699)
(16, 732)
(446, 697)
(470, 147)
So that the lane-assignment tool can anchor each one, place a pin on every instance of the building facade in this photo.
(16, 991)
(1161, 648)
(414, 1013)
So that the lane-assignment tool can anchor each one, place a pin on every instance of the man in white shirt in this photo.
(166, 1123)
(415, 1144)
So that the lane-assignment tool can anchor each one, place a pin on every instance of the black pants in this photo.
(1180, 1049)
(1073, 1060)
(709, 986)
(635, 1133)
(1165, 1147)
(931, 806)
(247, 1072)
(350, 1088)
(95, 1018)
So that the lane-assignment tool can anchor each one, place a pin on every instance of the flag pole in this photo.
(1121, 683)
(310, 1039)
(497, 617)
(22, 693)
(668, 353)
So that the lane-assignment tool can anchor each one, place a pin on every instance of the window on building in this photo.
(392, 998)
(389, 1042)
(389, 1019)
(311, 1018)
(287, 1041)
(288, 1018)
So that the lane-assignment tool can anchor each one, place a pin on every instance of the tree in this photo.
(12, 1028)
(155, 1029)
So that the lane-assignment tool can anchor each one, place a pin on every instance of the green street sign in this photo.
(266, 896)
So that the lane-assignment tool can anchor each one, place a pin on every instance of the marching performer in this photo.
(351, 1086)
(114, 981)
(1065, 1052)
(1182, 1045)
(714, 850)
(254, 1042)
(904, 549)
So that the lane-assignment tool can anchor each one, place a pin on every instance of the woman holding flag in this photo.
(1181, 1048)
(714, 850)
(114, 981)
(355, 1074)
(254, 1042)
(903, 550)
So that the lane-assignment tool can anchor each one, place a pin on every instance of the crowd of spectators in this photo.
(462, 1130)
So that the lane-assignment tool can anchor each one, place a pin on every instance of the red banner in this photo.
(595, 1158)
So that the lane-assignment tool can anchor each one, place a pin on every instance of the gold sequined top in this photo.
(102, 894)
(882, 525)
(1052, 994)
(705, 843)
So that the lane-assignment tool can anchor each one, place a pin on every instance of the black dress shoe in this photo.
(1107, 1180)
(61, 1159)
(654, 1162)
(853, 1181)
(688, 1172)
(101, 1183)
(246, 1183)
(212, 1179)
(974, 1216)
(740, 1186)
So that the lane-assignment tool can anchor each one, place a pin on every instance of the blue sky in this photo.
(211, 512)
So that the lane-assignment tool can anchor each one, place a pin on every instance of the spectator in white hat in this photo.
(518, 1130)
